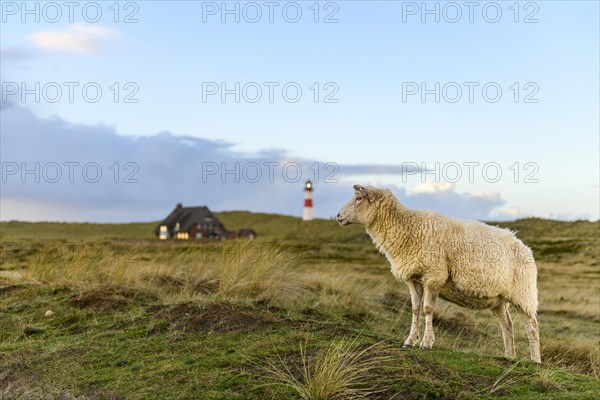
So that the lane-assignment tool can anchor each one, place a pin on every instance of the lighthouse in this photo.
(308, 205)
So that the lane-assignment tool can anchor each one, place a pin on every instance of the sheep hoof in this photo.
(426, 345)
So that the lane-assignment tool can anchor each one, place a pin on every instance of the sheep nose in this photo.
(338, 216)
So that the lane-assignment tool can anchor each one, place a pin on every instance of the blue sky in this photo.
(368, 56)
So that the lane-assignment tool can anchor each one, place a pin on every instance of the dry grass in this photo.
(505, 379)
(332, 292)
(579, 357)
(200, 289)
(266, 276)
(337, 372)
(358, 285)
(549, 378)
(257, 277)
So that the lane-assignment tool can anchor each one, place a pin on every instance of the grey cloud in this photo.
(459, 205)
(168, 169)
(12, 54)
(379, 169)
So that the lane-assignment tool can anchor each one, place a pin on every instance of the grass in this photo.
(504, 380)
(341, 371)
(312, 303)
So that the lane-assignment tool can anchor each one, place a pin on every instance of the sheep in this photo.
(468, 263)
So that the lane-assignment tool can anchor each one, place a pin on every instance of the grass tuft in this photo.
(505, 379)
(337, 372)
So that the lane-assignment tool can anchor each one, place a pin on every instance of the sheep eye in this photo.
(359, 198)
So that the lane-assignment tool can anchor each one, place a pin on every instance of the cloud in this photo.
(77, 39)
(5, 104)
(56, 170)
(509, 212)
(442, 197)
(432, 187)
(12, 54)
(379, 169)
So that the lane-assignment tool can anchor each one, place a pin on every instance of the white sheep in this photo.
(467, 263)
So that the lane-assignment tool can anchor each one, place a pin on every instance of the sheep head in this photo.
(362, 207)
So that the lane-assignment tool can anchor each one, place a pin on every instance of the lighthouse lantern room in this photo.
(308, 203)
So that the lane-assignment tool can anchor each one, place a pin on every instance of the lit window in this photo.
(163, 232)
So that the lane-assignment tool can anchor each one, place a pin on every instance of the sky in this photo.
(115, 112)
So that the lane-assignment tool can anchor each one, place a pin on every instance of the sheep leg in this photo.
(416, 291)
(533, 334)
(429, 298)
(501, 312)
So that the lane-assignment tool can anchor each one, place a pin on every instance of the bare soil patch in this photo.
(218, 317)
(10, 288)
(109, 298)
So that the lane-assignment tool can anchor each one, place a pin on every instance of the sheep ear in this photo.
(371, 194)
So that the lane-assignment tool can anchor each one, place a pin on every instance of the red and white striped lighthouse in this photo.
(308, 204)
